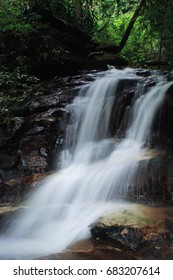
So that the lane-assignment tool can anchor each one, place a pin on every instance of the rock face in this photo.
(153, 180)
(29, 150)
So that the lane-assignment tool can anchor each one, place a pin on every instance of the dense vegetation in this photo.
(150, 37)
(139, 30)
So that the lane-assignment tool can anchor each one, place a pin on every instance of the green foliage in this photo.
(157, 247)
(117, 249)
(15, 87)
(152, 35)
(15, 15)
(142, 44)
(160, 16)
(75, 12)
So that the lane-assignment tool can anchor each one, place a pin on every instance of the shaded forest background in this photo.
(41, 39)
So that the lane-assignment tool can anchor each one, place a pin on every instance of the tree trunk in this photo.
(131, 24)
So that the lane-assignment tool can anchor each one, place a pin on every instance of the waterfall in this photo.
(96, 170)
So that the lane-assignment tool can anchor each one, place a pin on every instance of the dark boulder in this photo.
(134, 230)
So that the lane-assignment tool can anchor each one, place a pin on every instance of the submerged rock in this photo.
(89, 250)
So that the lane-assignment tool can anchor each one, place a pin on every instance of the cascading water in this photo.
(95, 170)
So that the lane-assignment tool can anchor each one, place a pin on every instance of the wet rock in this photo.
(119, 115)
(36, 129)
(4, 137)
(17, 189)
(125, 92)
(36, 104)
(31, 146)
(111, 58)
(153, 178)
(135, 231)
(8, 161)
(34, 163)
(162, 133)
(90, 250)
(143, 72)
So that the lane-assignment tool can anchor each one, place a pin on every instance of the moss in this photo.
(150, 228)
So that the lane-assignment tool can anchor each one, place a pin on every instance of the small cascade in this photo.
(96, 169)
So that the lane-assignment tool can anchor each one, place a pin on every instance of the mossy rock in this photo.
(136, 231)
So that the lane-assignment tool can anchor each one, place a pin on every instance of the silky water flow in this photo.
(95, 170)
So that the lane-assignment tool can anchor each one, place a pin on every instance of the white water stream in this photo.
(95, 171)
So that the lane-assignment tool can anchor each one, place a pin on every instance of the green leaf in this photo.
(157, 247)
(117, 249)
